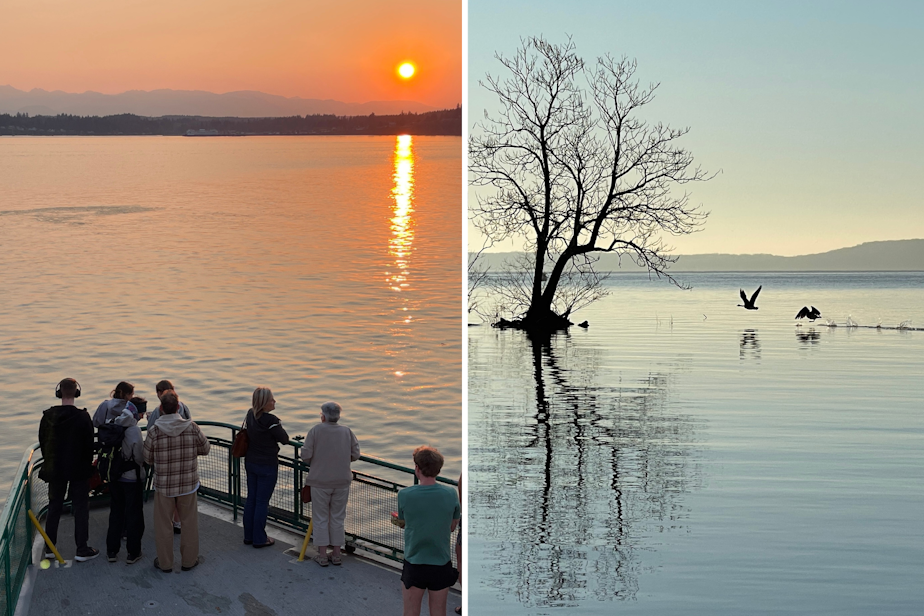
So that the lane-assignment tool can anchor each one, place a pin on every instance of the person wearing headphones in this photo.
(66, 438)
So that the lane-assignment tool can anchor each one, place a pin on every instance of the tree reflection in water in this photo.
(571, 475)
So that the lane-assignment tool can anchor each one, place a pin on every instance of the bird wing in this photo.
(803, 313)
(754, 297)
(816, 312)
(744, 297)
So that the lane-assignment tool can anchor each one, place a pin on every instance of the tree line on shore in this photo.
(443, 122)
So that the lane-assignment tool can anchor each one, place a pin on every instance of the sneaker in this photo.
(50, 555)
(113, 556)
(131, 560)
(85, 554)
(177, 529)
(157, 566)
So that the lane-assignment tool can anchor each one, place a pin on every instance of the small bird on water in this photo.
(749, 303)
(811, 315)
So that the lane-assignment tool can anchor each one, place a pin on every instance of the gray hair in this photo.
(331, 411)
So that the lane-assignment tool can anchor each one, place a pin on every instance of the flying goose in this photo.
(811, 315)
(749, 303)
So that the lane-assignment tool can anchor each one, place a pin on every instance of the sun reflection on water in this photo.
(401, 240)
(402, 221)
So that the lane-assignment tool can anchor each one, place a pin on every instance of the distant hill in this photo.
(157, 103)
(888, 256)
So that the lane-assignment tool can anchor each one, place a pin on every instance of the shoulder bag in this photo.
(241, 441)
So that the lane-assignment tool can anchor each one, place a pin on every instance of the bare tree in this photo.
(573, 170)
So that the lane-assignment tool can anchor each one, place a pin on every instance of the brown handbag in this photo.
(241, 441)
(306, 494)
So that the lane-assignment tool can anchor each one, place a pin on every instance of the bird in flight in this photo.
(811, 315)
(749, 303)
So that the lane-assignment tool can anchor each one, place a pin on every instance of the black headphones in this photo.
(58, 388)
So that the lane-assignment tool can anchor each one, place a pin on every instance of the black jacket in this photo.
(67, 441)
(264, 435)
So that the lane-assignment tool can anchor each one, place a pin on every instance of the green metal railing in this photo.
(372, 497)
(223, 480)
(16, 535)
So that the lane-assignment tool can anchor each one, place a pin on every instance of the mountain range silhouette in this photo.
(157, 103)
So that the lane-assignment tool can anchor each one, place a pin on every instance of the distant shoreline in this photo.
(447, 122)
(892, 256)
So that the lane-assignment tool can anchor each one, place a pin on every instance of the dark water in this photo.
(684, 456)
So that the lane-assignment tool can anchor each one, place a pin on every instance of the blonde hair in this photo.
(261, 398)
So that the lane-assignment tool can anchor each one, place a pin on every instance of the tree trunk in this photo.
(538, 321)
(540, 318)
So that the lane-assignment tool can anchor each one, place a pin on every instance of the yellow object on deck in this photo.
(301, 556)
(48, 541)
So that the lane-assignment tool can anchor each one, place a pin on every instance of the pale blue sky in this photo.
(814, 111)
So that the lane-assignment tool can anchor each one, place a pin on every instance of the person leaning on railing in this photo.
(328, 449)
(264, 433)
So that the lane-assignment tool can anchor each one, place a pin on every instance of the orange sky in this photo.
(346, 50)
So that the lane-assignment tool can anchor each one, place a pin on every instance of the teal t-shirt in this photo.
(428, 512)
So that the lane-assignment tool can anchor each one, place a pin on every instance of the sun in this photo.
(407, 70)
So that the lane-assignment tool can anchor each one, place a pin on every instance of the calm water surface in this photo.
(685, 456)
(323, 267)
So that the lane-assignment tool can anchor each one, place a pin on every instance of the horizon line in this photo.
(732, 254)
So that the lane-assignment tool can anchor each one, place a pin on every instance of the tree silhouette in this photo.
(571, 168)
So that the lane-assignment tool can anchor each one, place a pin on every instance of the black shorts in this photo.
(430, 577)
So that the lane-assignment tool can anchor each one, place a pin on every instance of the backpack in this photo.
(111, 463)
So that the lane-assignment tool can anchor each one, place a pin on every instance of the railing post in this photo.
(234, 480)
(30, 532)
(296, 485)
(299, 480)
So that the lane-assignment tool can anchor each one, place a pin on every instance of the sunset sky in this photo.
(813, 112)
(348, 50)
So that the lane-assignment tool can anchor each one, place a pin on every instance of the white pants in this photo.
(328, 512)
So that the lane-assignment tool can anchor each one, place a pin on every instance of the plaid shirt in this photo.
(177, 470)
